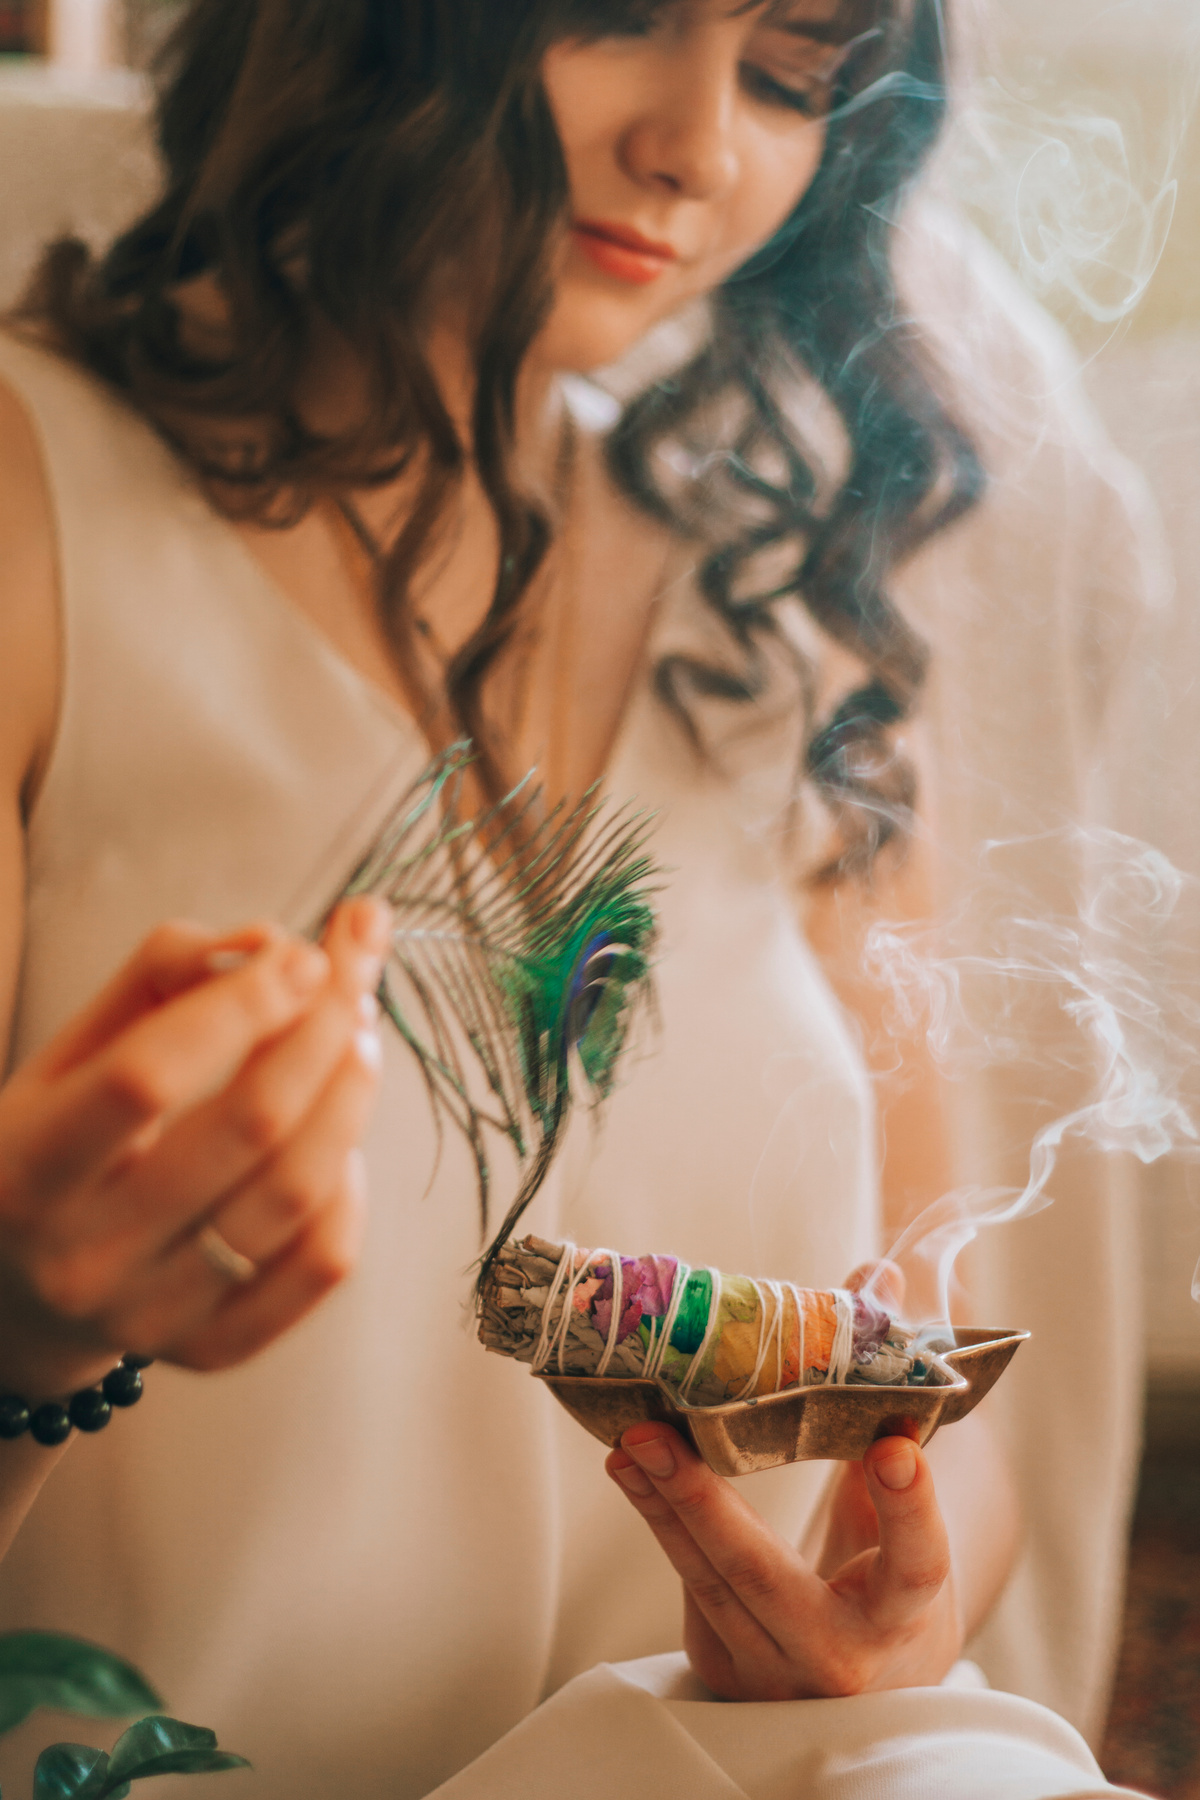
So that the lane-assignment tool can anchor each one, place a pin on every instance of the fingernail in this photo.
(371, 925)
(223, 962)
(368, 1049)
(898, 1469)
(305, 967)
(635, 1482)
(654, 1456)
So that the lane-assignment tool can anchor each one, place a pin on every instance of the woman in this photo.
(290, 495)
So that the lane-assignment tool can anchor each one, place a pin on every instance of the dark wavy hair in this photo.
(322, 154)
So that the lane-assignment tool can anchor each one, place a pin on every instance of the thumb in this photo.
(914, 1552)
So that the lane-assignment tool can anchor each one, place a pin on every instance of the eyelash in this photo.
(811, 103)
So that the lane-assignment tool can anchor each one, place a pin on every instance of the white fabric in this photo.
(650, 1723)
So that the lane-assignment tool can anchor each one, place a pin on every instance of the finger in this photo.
(913, 1562)
(258, 1222)
(174, 957)
(264, 1216)
(357, 939)
(248, 1127)
(181, 1314)
(711, 1658)
(702, 1523)
(214, 1148)
(218, 1147)
(712, 1596)
(94, 1257)
(165, 1061)
(852, 1525)
(319, 1260)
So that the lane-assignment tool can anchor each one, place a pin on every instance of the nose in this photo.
(683, 141)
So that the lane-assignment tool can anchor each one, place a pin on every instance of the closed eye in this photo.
(812, 98)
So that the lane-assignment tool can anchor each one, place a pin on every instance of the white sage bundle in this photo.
(714, 1337)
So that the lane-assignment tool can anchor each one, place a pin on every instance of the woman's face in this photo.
(687, 144)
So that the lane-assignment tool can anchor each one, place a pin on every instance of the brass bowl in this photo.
(808, 1424)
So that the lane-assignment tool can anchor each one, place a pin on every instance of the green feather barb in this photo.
(520, 950)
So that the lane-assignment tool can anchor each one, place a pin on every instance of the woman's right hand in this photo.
(219, 1081)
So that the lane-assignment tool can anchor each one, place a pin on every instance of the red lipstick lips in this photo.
(621, 251)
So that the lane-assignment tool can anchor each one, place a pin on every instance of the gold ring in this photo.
(223, 1257)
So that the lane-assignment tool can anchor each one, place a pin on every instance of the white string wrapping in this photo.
(841, 1356)
(777, 1292)
(764, 1335)
(543, 1347)
(564, 1323)
(614, 1324)
(800, 1363)
(660, 1342)
(552, 1338)
(714, 1306)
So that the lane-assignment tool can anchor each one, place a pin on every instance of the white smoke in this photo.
(1059, 187)
(1116, 1014)
(1070, 142)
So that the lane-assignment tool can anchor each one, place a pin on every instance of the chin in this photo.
(588, 330)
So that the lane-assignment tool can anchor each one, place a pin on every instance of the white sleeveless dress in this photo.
(365, 1557)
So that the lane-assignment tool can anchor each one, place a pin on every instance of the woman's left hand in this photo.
(878, 1609)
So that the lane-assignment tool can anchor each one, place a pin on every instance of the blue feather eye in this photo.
(597, 1002)
(589, 979)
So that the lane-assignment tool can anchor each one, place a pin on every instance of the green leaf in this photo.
(40, 1668)
(182, 1762)
(162, 1746)
(74, 1772)
(158, 1736)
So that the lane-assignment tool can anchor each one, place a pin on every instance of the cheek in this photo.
(774, 179)
(588, 101)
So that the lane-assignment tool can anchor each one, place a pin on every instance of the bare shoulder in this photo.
(29, 617)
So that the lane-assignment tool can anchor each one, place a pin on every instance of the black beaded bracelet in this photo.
(88, 1410)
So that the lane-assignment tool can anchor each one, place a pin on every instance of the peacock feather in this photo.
(521, 947)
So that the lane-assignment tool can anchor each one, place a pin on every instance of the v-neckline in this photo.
(330, 652)
(302, 621)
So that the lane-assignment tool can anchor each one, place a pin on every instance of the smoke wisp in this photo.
(1118, 1012)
